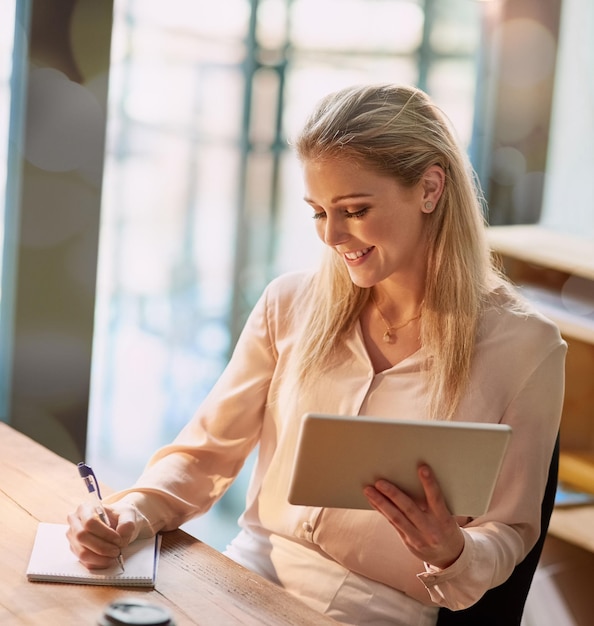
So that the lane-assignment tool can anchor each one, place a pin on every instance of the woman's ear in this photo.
(433, 181)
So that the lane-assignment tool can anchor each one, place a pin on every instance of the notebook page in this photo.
(52, 561)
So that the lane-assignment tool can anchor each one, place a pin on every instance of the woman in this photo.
(405, 318)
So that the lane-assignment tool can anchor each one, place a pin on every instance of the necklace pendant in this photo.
(389, 337)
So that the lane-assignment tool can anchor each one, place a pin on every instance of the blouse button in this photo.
(307, 527)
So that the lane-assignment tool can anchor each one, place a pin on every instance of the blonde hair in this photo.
(397, 131)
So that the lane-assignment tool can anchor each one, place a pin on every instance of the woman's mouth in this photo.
(357, 254)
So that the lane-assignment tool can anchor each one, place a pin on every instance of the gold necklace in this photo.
(389, 334)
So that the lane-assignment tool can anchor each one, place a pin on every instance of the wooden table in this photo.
(195, 582)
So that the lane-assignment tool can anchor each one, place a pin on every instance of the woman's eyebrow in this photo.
(348, 196)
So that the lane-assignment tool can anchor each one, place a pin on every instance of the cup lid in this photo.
(132, 612)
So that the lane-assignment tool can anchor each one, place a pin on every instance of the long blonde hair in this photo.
(398, 131)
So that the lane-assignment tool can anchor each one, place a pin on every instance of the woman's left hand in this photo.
(427, 527)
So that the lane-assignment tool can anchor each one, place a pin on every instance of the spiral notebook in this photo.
(52, 561)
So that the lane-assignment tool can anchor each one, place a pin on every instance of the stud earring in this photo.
(428, 207)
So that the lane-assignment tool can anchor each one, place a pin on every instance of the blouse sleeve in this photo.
(497, 542)
(188, 476)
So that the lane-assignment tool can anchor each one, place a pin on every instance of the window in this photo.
(201, 202)
(7, 38)
(569, 188)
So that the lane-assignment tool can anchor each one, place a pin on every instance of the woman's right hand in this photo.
(97, 545)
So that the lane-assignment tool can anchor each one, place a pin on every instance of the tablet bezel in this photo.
(336, 456)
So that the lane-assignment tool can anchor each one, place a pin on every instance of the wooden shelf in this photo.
(574, 525)
(555, 271)
(548, 248)
(571, 323)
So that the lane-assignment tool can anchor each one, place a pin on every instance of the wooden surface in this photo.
(542, 261)
(195, 582)
(550, 248)
(574, 525)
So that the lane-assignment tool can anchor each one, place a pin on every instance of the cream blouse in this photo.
(517, 378)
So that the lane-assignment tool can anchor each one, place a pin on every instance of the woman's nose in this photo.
(334, 231)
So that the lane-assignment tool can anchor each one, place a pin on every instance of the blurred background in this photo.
(148, 192)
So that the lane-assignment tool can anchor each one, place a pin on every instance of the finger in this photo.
(93, 535)
(387, 508)
(433, 493)
(88, 540)
(93, 561)
(127, 527)
(118, 530)
(411, 507)
(89, 517)
(400, 510)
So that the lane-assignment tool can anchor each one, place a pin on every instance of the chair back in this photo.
(504, 605)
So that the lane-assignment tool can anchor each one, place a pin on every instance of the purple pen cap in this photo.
(133, 612)
(88, 475)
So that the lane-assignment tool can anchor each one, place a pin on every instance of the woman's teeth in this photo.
(353, 256)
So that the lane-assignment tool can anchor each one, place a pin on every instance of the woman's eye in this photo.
(318, 215)
(359, 213)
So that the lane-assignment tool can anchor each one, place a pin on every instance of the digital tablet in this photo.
(337, 456)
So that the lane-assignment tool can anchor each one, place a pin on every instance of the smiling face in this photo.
(373, 222)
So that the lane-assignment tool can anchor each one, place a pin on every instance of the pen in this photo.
(92, 484)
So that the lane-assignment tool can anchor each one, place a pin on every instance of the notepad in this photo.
(52, 561)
